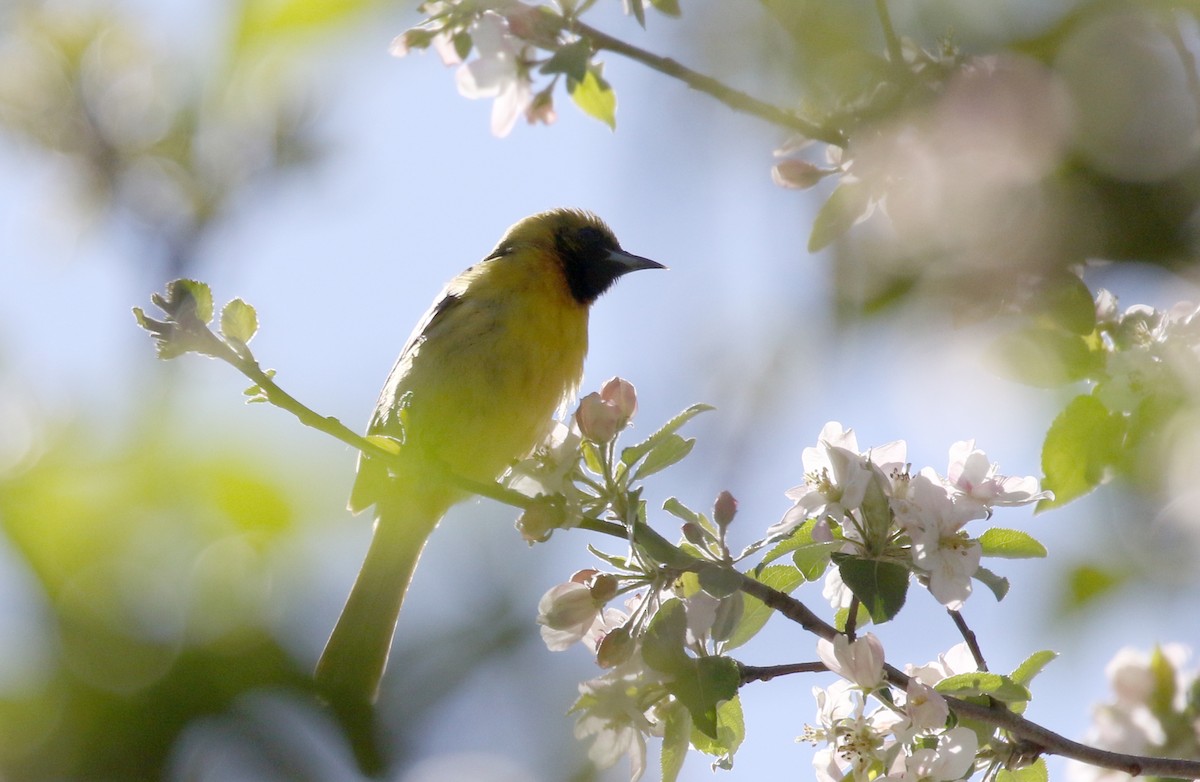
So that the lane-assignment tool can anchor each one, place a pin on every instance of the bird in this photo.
(474, 389)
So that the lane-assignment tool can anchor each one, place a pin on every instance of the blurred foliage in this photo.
(152, 558)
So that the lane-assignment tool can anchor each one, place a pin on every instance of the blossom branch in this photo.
(735, 99)
(765, 673)
(969, 636)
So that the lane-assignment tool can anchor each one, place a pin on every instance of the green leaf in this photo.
(1085, 583)
(682, 512)
(638, 9)
(800, 536)
(701, 686)
(997, 584)
(719, 581)
(1066, 301)
(880, 586)
(592, 457)
(846, 205)
(571, 60)
(662, 643)
(1084, 440)
(728, 616)
(1010, 544)
(782, 578)
(731, 730)
(666, 453)
(1034, 772)
(1033, 665)
(186, 300)
(677, 727)
(1046, 357)
(813, 559)
(1002, 688)
(1165, 683)
(667, 7)
(239, 321)
(842, 616)
(268, 21)
(634, 453)
(594, 95)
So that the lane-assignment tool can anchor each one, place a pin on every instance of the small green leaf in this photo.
(702, 686)
(571, 60)
(668, 452)
(677, 727)
(719, 581)
(682, 512)
(634, 453)
(813, 559)
(1010, 544)
(799, 537)
(728, 616)
(1086, 583)
(1045, 357)
(1033, 665)
(782, 578)
(637, 8)
(1034, 772)
(880, 586)
(667, 7)
(1084, 440)
(662, 643)
(731, 730)
(186, 300)
(463, 44)
(1066, 300)
(594, 95)
(1165, 683)
(592, 457)
(1002, 688)
(997, 584)
(239, 321)
(846, 206)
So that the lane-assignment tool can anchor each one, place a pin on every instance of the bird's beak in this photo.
(628, 262)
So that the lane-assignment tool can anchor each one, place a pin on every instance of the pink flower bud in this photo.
(621, 394)
(797, 174)
(598, 421)
(724, 509)
(615, 648)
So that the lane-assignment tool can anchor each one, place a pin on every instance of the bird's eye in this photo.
(590, 235)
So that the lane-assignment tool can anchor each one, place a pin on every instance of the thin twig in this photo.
(765, 673)
(735, 99)
(969, 636)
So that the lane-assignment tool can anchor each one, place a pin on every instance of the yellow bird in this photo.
(474, 390)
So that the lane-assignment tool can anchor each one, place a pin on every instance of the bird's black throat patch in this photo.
(586, 263)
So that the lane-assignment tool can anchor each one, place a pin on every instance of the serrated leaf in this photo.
(239, 321)
(185, 300)
(1044, 356)
(997, 584)
(701, 686)
(1002, 688)
(1010, 544)
(1082, 443)
(595, 97)
(677, 728)
(634, 453)
(1034, 772)
(880, 586)
(571, 60)
(755, 613)
(847, 204)
(1033, 665)
(813, 559)
(668, 452)
(800, 536)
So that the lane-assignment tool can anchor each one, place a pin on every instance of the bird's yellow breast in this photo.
(499, 353)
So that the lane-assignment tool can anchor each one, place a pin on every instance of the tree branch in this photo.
(969, 636)
(734, 99)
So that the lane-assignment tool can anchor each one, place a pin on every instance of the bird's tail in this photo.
(356, 653)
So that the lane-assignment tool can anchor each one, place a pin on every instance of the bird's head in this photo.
(590, 255)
